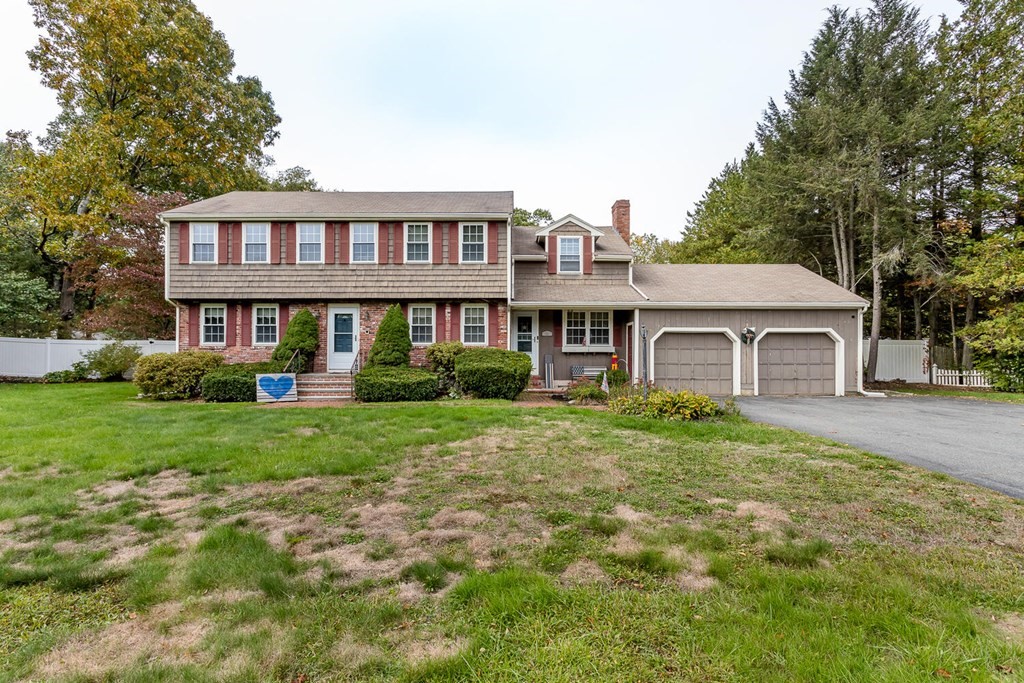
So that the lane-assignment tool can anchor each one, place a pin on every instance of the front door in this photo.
(526, 336)
(343, 342)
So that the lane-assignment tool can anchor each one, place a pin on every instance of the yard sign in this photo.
(276, 388)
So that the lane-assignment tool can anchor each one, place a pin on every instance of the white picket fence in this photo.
(36, 357)
(960, 378)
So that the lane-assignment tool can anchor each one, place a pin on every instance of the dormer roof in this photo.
(569, 219)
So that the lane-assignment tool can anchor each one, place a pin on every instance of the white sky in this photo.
(572, 104)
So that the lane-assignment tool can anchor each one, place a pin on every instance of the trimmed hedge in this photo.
(375, 385)
(236, 383)
(168, 376)
(442, 357)
(303, 335)
(664, 404)
(493, 373)
(392, 343)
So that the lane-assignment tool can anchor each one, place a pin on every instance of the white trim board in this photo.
(700, 330)
(840, 352)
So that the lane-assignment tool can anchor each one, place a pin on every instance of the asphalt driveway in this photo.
(977, 441)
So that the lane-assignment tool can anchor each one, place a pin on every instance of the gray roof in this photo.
(524, 242)
(342, 205)
(739, 283)
(576, 292)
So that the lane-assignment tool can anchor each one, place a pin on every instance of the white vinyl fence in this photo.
(961, 378)
(36, 357)
(905, 360)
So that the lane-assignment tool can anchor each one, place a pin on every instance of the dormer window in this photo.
(570, 254)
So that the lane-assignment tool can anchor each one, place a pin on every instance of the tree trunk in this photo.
(67, 302)
(876, 294)
(917, 314)
(933, 327)
(952, 327)
(970, 315)
(837, 241)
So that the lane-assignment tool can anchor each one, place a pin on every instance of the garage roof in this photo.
(760, 284)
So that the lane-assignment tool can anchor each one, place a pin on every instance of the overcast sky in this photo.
(570, 104)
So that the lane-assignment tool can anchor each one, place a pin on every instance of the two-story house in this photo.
(568, 294)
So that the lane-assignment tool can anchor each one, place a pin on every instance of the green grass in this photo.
(805, 560)
(952, 392)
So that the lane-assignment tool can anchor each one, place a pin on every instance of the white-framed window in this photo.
(311, 242)
(264, 324)
(256, 241)
(570, 254)
(587, 330)
(417, 242)
(364, 243)
(474, 324)
(421, 323)
(204, 242)
(472, 242)
(213, 324)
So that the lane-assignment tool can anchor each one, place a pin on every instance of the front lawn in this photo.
(456, 541)
(952, 392)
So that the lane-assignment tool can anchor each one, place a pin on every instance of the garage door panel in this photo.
(700, 362)
(796, 364)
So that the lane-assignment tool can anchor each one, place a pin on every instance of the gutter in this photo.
(333, 217)
(637, 289)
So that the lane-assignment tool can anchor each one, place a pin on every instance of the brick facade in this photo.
(446, 327)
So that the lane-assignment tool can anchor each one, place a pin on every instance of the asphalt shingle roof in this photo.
(345, 204)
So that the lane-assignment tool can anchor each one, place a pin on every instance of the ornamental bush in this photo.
(616, 378)
(168, 376)
(375, 385)
(110, 361)
(493, 373)
(442, 357)
(584, 390)
(302, 335)
(236, 383)
(664, 404)
(392, 344)
(1005, 371)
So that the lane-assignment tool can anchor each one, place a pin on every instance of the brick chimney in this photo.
(620, 218)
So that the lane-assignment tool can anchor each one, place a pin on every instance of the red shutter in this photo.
(438, 244)
(193, 325)
(453, 243)
(399, 243)
(289, 246)
(588, 254)
(492, 242)
(275, 243)
(492, 323)
(382, 243)
(558, 329)
(236, 243)
(246, 325)
(552, 254)
(440, 324)
(329, 242)
(222, 242)
(282, 325)
(229, 336)
(343, 249)
(183, 239)
(456, 334)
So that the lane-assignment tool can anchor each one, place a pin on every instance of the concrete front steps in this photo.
(321, 386)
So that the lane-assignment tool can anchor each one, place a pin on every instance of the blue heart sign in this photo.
(273, 388)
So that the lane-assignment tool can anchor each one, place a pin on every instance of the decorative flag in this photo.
(604, 383)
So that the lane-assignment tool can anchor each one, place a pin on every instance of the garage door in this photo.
(699, 362)
(796, 364)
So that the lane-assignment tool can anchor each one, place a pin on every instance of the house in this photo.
(568, 294)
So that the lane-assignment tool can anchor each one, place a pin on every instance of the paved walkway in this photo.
(977, 441)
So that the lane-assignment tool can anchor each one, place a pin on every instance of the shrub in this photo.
(302, 335)
(236, 383)
(660, 403)
(616, 378)
(442, 357)
(174, 375)
(493, 373)
(1005, 371)
(110, 361)
(65, 376)
(375, 385)
(392, 344)
(584, 390)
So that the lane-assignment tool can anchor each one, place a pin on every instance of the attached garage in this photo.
(698, 359)
(798, 363)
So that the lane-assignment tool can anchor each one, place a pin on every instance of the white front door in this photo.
(343, 337)
(526, 336)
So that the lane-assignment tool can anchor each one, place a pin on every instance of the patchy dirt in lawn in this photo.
(1010, 627)
(425, 647)
(583, 572)
(627, 513)
(767, 518)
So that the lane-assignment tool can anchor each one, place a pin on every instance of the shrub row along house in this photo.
(567, 294)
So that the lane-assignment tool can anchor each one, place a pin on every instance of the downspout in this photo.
(860, 358)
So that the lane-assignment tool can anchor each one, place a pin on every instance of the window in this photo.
(421, 324)
(264, 321)
(472, 243)
(417, 242)
(214, 324)
(569, 260)
(204, 243)
(474, 324)
(256, 237)
(311, 242)
(590, 329)
(364, 242)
